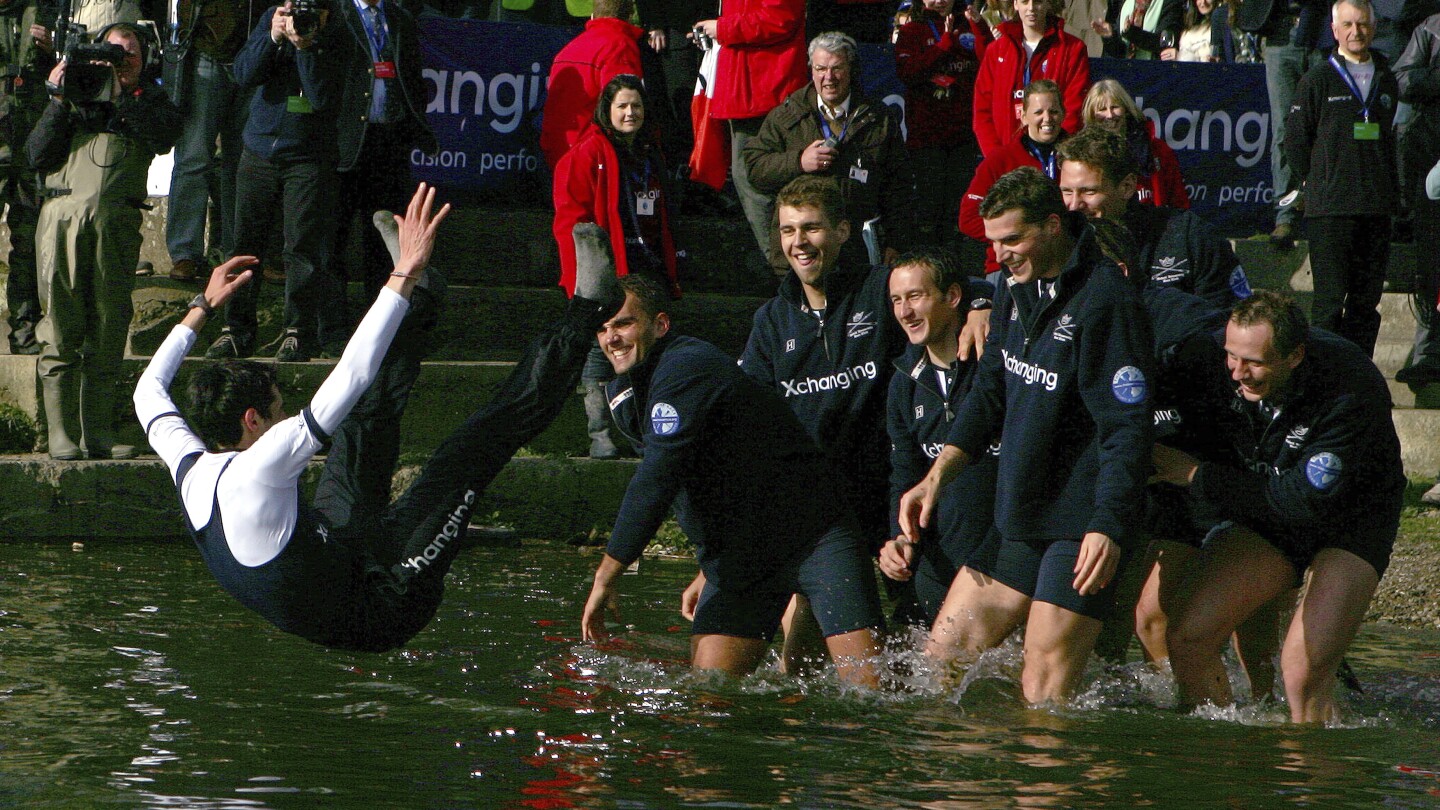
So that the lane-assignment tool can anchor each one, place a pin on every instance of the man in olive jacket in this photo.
(828, 128)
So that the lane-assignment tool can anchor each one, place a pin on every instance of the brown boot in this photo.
(184, 270)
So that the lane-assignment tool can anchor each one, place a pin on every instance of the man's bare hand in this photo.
(974, 334)
(818, 157)
(690, 599)
(1173, 466)
(417, 230)
(1098, 561)
(896, 558)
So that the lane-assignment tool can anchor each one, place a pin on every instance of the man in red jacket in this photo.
(1033, 47)
(606, 48)
(762, 61)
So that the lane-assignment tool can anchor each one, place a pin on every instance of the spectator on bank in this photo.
(607, 47)
(1342, 147)
(1418, 75)
(935, 58)
(287, 174)
(829, 128)
(1157, 169)
(28, 53)
(616, 177)
(1289, 32)
(381, 121)
(94, 154)
(1035, 46)
(667, 24)
(214, 108)
(1141, 29)
(761, 61)
(1044, 112)
(1078, 14)
(1207, 34)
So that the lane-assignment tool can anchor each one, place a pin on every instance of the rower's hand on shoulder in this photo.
(974, 334)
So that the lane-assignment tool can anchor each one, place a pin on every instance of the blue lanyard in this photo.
(377, 38)
(1047, 164)
(1354, 88)
(825, 126)
(933, 30)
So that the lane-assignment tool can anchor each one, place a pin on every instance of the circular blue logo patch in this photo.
(1239, 283)
(1129, 385)
(1323, 470)
(664, 419)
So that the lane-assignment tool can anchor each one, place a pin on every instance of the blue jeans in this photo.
(1284, 65)
(214, 107)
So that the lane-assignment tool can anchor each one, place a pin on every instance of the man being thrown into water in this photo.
(351, 571)
(747, 484)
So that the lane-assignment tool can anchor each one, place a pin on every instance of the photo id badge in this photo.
(645, 206)
(384, 70)
(1367, 130)
(859, 175)
(298, 104)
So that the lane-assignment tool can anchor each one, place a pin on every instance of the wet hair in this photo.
(838, 44)
(1042, 87)
(1027, 189)
(1113, 92)
(650, 294)
(937, 264)
(1102, 150)
(1118, 244)
(1286, 319)
(622, 9)
(623, 81)
(221, 393)
(814, 191)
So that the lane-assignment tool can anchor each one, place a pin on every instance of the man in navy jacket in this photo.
(748, 488)
(1065, 377)
(1304, 459)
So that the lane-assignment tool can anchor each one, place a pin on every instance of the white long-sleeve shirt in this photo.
(259, 500)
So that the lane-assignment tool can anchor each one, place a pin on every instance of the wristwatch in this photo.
(980, 303)
(199, 301)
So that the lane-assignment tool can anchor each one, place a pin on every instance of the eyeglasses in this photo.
(830, 70)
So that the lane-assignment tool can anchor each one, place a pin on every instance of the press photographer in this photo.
(26, 55)
(292, 63)
(105, 123)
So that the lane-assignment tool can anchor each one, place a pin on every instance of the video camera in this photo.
(90, 69)
(305, 15)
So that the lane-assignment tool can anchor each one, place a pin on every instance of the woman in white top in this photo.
(1206, 36)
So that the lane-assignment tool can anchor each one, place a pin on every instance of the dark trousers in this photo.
(413, 541)
(22, 289)
(1348, 259)
(379, 181)
(302, 195)
(1427, 279)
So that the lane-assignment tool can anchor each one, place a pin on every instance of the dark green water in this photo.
(128, 679)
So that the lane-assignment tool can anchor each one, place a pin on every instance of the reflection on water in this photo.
(127, 678)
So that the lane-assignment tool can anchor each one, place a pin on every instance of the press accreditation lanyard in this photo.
(1355, 88)
(379, 35)
(1047, 162)
(825, 126)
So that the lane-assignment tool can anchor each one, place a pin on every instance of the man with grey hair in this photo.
(1341, 145)
(829, 128)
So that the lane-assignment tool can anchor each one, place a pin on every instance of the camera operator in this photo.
(292, 63)
(94, 144)
(26, 55)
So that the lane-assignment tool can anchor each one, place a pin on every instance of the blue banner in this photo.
(1217, 119)
(487, 85)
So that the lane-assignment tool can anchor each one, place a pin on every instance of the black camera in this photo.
(305, 15)
(90, 70)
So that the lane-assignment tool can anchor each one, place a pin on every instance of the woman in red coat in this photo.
(1033, 47)
(1044, 112)
(1157, 170)
(615, 177)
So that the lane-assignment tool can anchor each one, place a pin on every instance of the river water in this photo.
(128, 679)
